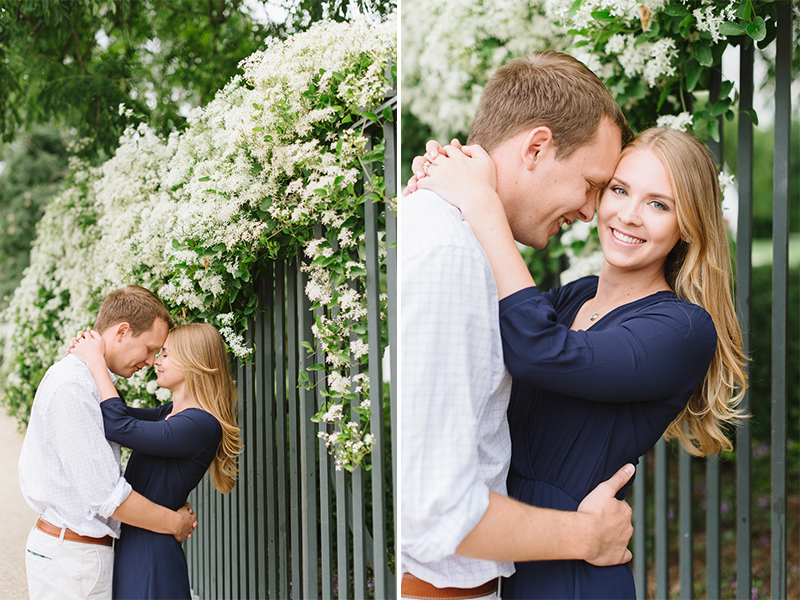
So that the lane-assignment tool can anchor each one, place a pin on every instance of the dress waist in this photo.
(540, 493)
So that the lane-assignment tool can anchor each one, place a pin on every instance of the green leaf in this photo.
(676, 10)
(745, 10)
(713, 129)
(321, 192)
(206, 178)
(757, 29)
(574, 9)
(257, 106)
(719, 108)
(602, 15)
(725, 89)
(316, 367)
(219, 247)
(693, 73)
(703, 54)
(730, 28)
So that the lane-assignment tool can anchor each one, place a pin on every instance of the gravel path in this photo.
(17, 517)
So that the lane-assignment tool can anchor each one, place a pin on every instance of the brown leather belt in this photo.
(413, 587)
(70, 535)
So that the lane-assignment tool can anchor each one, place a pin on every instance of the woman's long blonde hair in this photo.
(199, 351)
(699, 270)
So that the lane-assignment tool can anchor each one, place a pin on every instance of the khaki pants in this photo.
(59, 568)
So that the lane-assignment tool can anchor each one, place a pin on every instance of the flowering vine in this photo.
(197, 216)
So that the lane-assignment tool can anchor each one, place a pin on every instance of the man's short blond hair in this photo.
(547, 89)
(135, 305)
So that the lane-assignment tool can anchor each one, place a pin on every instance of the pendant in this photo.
(593, 317)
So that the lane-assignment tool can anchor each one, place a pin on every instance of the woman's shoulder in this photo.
(203, 418)
(681, 315)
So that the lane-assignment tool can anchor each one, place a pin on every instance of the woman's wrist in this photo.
(97, 367)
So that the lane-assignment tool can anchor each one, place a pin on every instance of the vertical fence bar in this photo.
(235, 495)
(640, 529)
(713, 539)
(207, 532)
(713, 481)
(390, 177)
(216, 547)
(247, 504)
(686, 531)
(342, 550)
(744, 274)
(780, 278)
(662, 522)
(294, 450)
(308, 456)
(265, 496)
(325, 485)
(376, 405)
(281, 432)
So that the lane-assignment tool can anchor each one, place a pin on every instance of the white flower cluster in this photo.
(681, 122)
(451, 47)
(708, 19)
(650, 60)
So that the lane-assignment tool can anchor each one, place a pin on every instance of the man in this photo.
(71, 474)
(555, 135)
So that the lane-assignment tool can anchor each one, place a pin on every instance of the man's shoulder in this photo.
(426, 221)
(67, 371)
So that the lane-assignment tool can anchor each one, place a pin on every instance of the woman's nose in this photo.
(630, 212)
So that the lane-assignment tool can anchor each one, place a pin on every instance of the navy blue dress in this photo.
(170, 457)
(584, 403)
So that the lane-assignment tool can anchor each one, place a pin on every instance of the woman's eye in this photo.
(659, 205)
(618, 190)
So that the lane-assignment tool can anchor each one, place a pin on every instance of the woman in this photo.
(173, 447)
(604, 366)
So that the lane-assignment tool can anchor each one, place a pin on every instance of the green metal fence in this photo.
(652, 531)
(294, 527)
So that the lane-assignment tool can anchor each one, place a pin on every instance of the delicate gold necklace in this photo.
(596, 313)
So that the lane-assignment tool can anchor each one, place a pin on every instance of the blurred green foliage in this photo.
(35, 165)
(73, 63)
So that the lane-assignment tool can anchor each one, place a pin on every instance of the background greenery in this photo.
(66, 66)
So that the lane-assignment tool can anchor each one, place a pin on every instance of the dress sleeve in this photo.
(182, 435)
(650, 354)
(145, 414)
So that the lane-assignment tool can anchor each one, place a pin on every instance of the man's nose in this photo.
(586, 212)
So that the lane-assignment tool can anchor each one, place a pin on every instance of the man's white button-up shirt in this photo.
(68, 471)
(455, 443)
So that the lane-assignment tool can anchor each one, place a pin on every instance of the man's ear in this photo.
(538, 141)
(120, 329)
